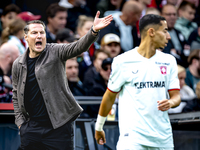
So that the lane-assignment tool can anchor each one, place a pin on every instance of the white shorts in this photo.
(125, 144)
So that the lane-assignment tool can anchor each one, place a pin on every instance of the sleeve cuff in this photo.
(173, 89)
(113, 91)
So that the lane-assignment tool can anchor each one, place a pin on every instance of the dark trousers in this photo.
(37, 136)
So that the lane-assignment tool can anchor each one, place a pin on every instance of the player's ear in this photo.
(151, 32)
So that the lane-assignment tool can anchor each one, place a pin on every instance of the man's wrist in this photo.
(99, 123)
(94, 31)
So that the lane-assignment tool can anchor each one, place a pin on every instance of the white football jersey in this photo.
(142, 82)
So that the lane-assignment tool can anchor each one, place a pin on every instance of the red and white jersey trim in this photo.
(112, 91)
(173, 89)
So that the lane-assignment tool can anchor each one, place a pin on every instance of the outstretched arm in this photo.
(67, 51)
(106, 105)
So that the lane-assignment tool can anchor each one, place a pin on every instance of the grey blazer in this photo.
(51, 77)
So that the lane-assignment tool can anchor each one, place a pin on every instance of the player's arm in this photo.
(175, 98)
(174, 101)
(106, 105)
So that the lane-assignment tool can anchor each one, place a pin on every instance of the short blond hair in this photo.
(180, 68)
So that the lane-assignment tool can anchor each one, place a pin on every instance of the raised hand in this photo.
(100, 23)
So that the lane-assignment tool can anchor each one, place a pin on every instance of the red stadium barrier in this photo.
(6, 106)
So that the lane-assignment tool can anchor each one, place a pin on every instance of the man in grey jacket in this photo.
(43, 104)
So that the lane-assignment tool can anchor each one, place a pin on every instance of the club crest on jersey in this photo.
(163, 70)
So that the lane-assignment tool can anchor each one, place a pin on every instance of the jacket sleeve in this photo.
(66, 51)
(19, 118)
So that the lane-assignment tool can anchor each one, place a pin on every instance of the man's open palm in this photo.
(100, 23)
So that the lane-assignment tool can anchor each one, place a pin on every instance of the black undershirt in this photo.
(34, 102)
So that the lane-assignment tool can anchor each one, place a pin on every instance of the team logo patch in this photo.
(163, 69)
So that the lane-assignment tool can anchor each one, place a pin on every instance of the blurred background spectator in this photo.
(74, 82)
(28, 16)
(84, 25)
(178, 45)
(37, 7)
(75, 8)
(65, 35)
(144, 4)
(186, 92)
(99, 86)
(186, 14)
(194, 104)
(197, 14)
(91, 4)
(8, 15)
(124, 25)
(152, 10)
(14, 34)
(195, 2)
(94, 68)
(109, 6)
(193, 70)
(173, 2)
(101, 80)
(111, 43)
(8, 53)
(194, 38)
(56, 19)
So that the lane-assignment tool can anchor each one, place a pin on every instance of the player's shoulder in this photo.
(164, 55)
(126, 56)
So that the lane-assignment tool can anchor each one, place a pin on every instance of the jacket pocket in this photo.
(21, 129)
(66, 99)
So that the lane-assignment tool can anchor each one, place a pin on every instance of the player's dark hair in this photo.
(150, 19)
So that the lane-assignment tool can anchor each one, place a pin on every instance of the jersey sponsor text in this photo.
(149, 84)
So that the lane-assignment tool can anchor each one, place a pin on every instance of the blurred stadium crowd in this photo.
(68, 20)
